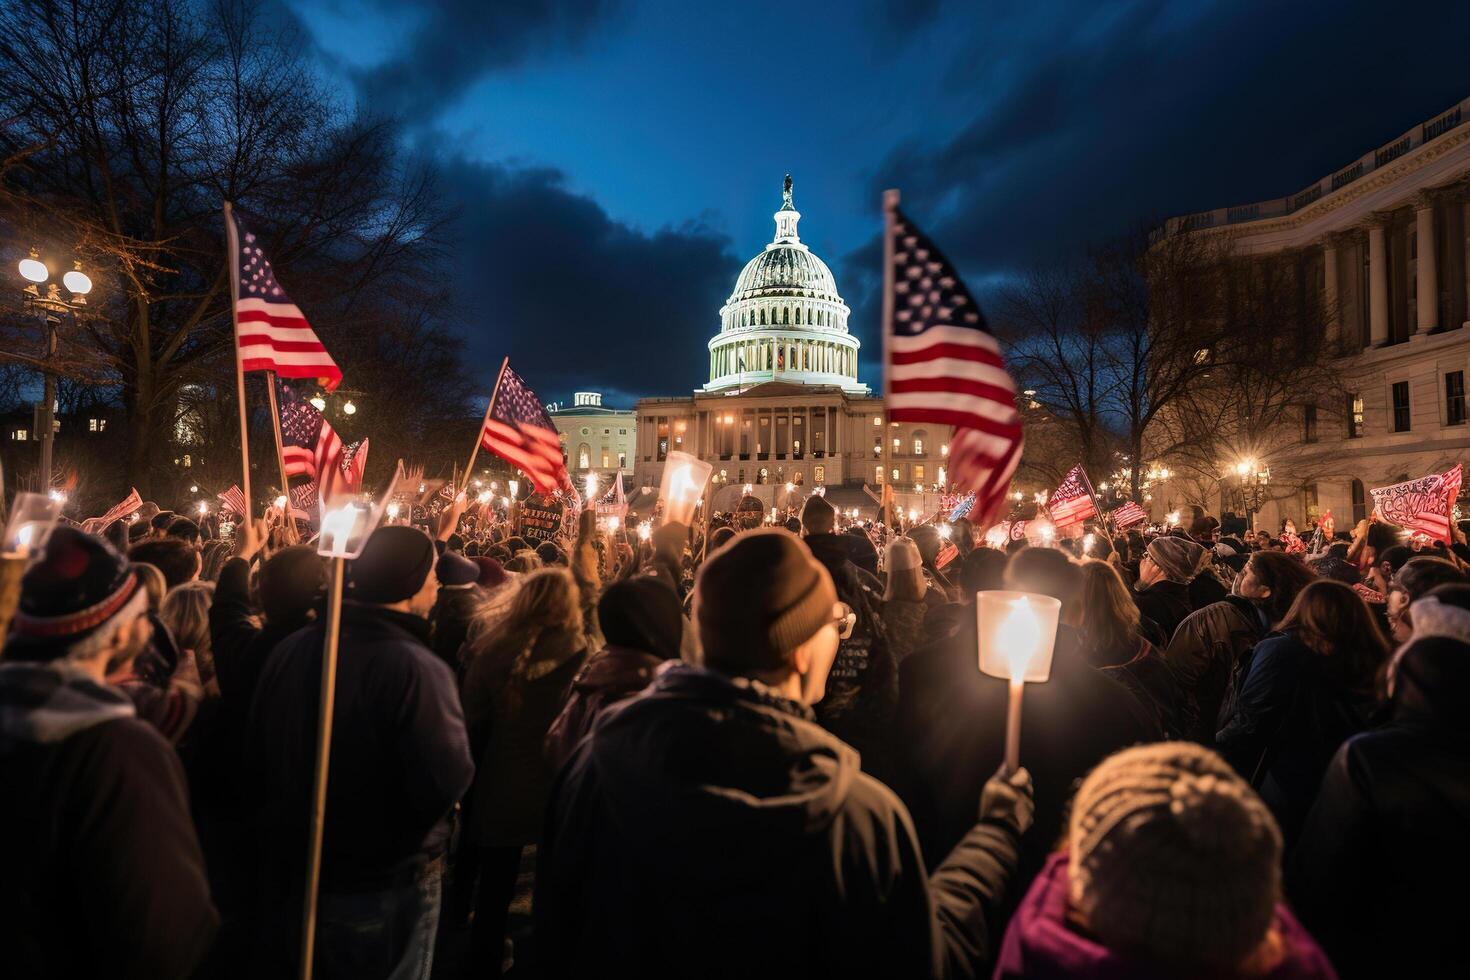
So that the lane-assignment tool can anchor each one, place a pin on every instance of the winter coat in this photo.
(511, 697)
(903, 621)
(608, 676)
(709, 821)
(1386, 835)
(1286, 725)
(1165, 604)
(1041, 943)
(449, 622)
(102, 876)
(400, 758)
(1211, 585)
(862, 686)
(1151, 681)
(950, 732)
(1209, 654)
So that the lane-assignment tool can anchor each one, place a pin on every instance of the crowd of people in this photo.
(736, 751)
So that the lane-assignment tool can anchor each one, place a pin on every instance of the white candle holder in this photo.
(684, 479)
(32, 516)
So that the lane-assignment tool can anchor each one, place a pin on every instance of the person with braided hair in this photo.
(1172, 868)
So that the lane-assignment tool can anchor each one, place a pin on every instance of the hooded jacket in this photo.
(1041, 944)
(1208, 655)
(1165, 604)
(710, 821)
(102, 870)
(1386, 835)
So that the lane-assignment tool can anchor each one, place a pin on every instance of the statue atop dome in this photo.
(786, 204)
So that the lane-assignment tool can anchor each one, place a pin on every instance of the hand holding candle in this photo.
(1017, 633)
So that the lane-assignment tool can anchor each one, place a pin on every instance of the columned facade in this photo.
(1393, 228)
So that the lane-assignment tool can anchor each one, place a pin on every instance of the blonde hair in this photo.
(1109, 617)
(185, 611)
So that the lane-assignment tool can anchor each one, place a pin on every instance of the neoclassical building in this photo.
(1386, 240)
(595, 438)
(783, 403)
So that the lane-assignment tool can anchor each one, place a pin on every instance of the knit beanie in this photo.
(70, 597)
(1173, 857)
(926, 536)
(642, 613)
(818, 516)
(291, 582)
(759, 598)
(903, 555)
(455, 571)
(393, 566)
(492, 573)
(1178, 558)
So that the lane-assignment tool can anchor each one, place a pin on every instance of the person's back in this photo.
(1385, 836)
(102, 870)
(710, 826)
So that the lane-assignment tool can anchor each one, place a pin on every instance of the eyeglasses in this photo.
(844, 619)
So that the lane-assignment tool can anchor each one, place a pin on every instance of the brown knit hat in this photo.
(1174, 857)
(757, 599)
(1178, 558)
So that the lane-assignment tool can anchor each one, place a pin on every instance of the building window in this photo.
(1360, 502)
(622, 461)
(918, 443)
(1309, 423)
(1355, 417)
(1454, 398)
(878, 475)
(918, 473)
(819, 473)
(19, 435)
(91, 425)
(188, 460)
(586, 431)
(622, 432)
(1401, 406)
(877, 422)
(896, 477)
(607, 432)
(606, 460)
(584, 457)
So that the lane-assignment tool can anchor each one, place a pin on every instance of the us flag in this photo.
(271, 331)
(233, 500)
(1071, 503)
(945, 367)
(518, 430)
(1128, 515)
(309, 444)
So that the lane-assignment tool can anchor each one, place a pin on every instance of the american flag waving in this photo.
(270, 330)
(518, 430)
(944, 366)
(1071, 503)
(1128, 515)
(310, 445)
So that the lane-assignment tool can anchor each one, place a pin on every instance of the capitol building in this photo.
(783, 403)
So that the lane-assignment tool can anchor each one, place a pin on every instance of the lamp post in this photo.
(52, 307)
(1254, 478)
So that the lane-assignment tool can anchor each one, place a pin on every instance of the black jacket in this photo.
(449, 623)
(862, 687)
(1386, 835)
(1165, 604)
(951, 733)
(100, 869)
(708, 827)
(400, 758)
(1285, 726)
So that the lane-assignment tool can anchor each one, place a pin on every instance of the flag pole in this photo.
(232, 241)
(270, 387)
(890, 205)
(480, 436)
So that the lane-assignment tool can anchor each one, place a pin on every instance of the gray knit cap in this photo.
(1178, 558)
(1174, 857)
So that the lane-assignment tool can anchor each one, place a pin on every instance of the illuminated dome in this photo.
(785, 320)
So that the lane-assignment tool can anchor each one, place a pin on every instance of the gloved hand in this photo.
(1009, 799)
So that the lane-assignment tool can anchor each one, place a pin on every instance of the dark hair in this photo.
(1335, 623)
(550, 554)
(982, 570)
(1455, 594)
(1381, 537)
(1394, 557)
(183, 529)
(161, 520)
(174, 557)
(1121, 546)
(1284, 575)
(1419, 575)
(1101, 547)
(1047, 571)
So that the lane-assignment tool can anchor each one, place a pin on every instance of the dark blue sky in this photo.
(612, 163)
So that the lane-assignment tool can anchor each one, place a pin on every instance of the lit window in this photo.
(878, 475)
(918, 446)
(91, 425)
(622, 461)
(20, 435)
(819, 473)
(895, 474)
(1355, 417)
(188, 460)
(622, 432)
(897, 442)
(918, 473)
(877, 421)
(606, 460)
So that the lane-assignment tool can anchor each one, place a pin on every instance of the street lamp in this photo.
(52, 308)
(1254, 478)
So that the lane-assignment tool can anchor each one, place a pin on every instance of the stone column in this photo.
(1466, 206)
(1377, 286)
(1427, 273)
(1331, 303)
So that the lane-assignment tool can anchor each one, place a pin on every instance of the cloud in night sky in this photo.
(576, 299)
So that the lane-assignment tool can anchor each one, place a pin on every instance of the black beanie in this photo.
(757, 599)
(291, 582)
(455, 571)
(78, 585)
(393, 566)
(642, 613)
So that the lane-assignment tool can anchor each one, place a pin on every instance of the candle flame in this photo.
(1019, 634)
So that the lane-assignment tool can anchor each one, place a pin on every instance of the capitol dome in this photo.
(785, 320)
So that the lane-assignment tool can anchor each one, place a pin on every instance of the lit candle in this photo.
(393, 511)
(484, 497)
(281, 502)
(203, 508)
(1020, 633)
(591, 485)
(23, 538)
(644, 531)
(515, 488)
(1017, 634)
(1173, 517)
(945, 532)
(337, 528)
(613, 523)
